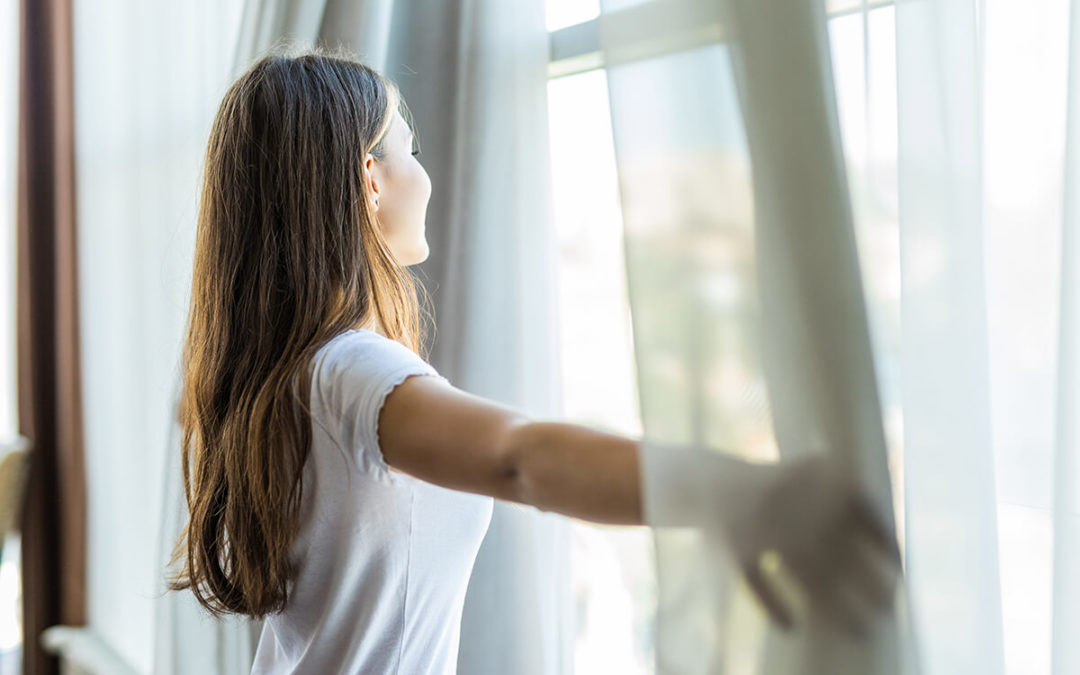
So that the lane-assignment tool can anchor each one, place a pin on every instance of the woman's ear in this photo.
(371, 186)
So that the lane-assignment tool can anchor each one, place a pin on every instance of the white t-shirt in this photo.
(382, 558)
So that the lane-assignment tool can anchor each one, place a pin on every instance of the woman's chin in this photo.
(418, 256)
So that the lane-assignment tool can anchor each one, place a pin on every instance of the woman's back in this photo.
(382, 559)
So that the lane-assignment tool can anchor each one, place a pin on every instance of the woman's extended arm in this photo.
(577, 471)
(443, 435)
(807, 511)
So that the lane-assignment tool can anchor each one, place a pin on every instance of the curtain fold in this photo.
(266, 22)
(226, 645)
(1065, 580)
(53, 521)
(365, 26)
(986, 111)
(816, 334)
(749, 320)
(948, 468)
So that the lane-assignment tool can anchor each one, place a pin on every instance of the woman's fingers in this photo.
(868, 576)
(868, 522)
(830, 599)
(834, 601)
(839, 583)
(768, 596)
(832, 544)
(856, 614)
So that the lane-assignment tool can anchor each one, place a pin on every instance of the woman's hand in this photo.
(808, 521)
(801, 522)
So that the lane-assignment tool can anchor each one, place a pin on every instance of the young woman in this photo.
(337, 484)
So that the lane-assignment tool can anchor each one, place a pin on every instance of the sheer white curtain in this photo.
(749, 321)
(783, 166)
(951, 520)
(1065, 450)
(987, 150)
(147, 83)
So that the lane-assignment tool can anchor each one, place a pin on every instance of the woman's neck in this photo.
(371, 324)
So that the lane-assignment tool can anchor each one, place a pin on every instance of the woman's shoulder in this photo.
(352, 336)
(359, 351)
(353, 375)
(361, 339)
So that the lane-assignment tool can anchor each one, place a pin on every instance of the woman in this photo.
(337, 484)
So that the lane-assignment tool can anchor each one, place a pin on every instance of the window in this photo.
(614, 579)
(613, 568)
(1025, 57)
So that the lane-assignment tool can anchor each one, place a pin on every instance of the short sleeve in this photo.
(360, 370)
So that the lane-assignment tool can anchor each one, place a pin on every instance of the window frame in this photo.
(577, 48)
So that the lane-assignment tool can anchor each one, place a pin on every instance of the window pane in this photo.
(614, 582)
(616, 5)
(563, 13)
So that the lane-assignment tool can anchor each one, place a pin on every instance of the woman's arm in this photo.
(807, 511)
(577, 471)
(443, 435)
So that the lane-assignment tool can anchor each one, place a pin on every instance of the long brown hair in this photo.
(287, 256)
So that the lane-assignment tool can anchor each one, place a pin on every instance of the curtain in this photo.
(226, 645)
(986, 175)
(53, 523)
(859, 239)
(1064, 509)
(948, 464)
(148, 80)
(474, 75)
(749, 323)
